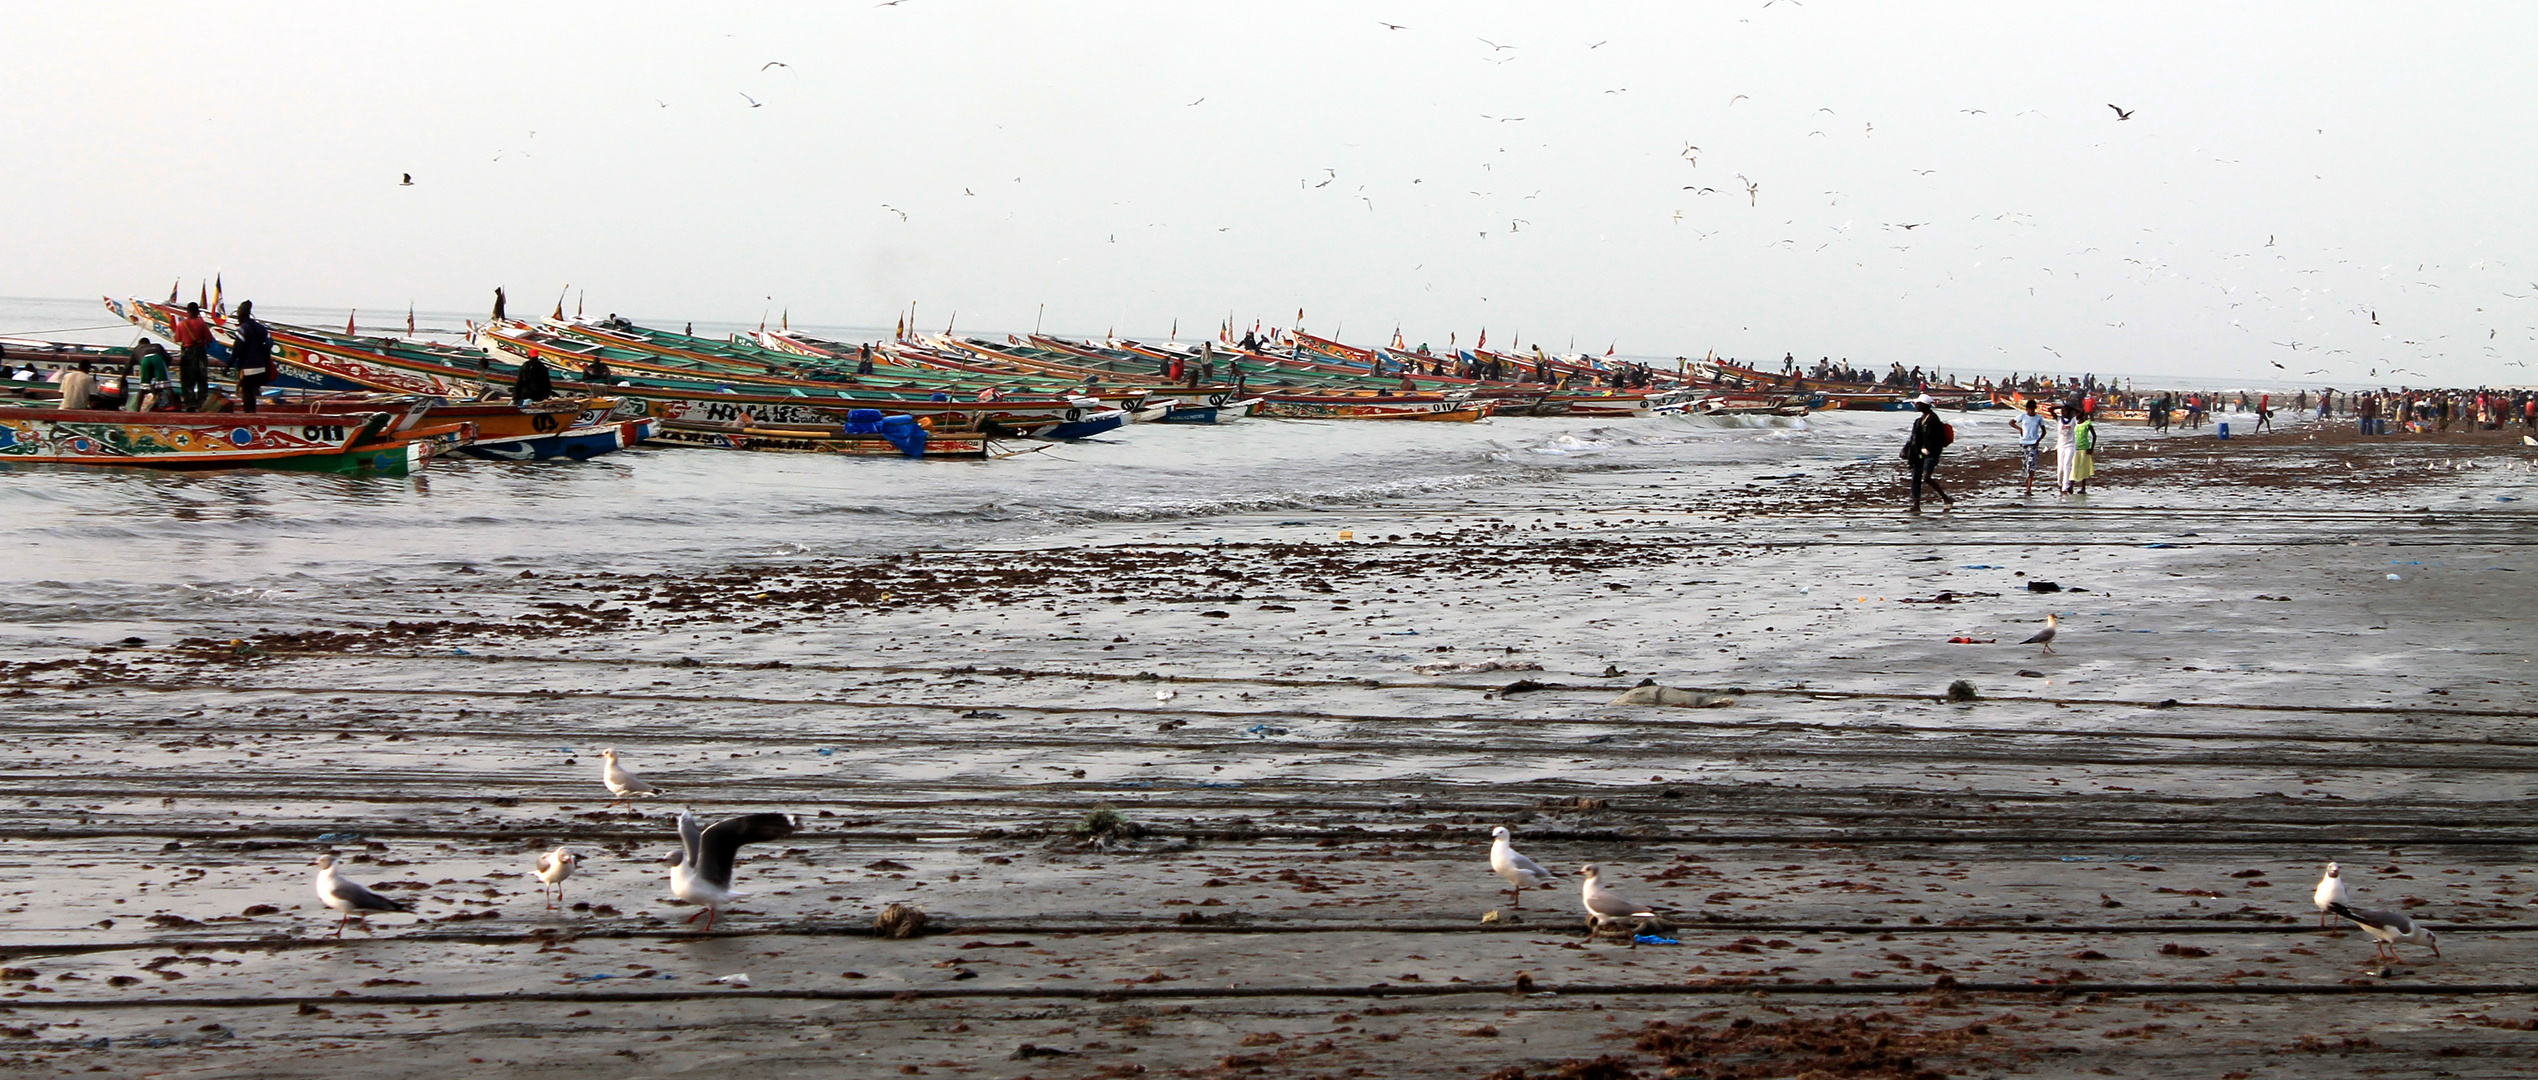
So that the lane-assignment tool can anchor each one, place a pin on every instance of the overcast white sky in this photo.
(2289, 170)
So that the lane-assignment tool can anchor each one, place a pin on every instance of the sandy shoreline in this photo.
(2108, 855)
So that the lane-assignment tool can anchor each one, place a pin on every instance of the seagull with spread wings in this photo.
(701, 872)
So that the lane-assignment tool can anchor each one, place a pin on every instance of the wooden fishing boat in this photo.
(576, 444)
(809, 439)
(1368, 407)
(312, 361)
(340, 442)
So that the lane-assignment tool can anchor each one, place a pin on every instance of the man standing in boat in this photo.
(252, 356)
(532, 382)
(193, 357)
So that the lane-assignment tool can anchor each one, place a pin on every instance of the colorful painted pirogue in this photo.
(342, 442)
(328, 360)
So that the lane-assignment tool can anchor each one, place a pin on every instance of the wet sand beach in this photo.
(2274, 652)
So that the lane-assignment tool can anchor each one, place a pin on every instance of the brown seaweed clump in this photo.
(899, 921)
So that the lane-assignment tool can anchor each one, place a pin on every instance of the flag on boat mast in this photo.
(202, 295)
(216, 315)
(409, 318)
(171, 291)
(1483, 343)
(785, 322)
(349, 331)
(559, 304)
(1608, 349)
(1396, 337)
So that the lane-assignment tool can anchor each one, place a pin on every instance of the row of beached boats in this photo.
(367, 402)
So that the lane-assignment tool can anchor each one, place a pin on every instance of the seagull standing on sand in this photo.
(621, 783)
(2330, 892)
(1605, 906)
(553, 868)
(1518, 872)
(701, 872)
(2044, 637)
(348, 897)
(2388, 928)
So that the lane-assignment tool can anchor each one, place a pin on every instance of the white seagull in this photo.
(2043, 637)
(2330, 892)
(2388, 927)
(1519, 872)
(348, 897)
(553, 868)
(1605, 906)
(701, 872)
(621, 783)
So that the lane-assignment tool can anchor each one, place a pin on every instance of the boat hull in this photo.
(306, 442)
(576, 444)
(808, 441)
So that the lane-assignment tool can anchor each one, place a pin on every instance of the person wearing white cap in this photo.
(1930, 435)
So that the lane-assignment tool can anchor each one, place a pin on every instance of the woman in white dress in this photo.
(2066, 447)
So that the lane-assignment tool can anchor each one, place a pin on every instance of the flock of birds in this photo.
(2150, 269)
(701, 874)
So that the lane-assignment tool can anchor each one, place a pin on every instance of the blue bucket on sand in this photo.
(2225, 429)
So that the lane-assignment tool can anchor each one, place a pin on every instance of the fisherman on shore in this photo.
(193, 357)
(1930, 435)
(252, 356)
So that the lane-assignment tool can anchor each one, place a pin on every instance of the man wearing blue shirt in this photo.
(2031, 432)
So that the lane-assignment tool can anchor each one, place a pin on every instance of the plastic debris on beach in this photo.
(1652, 939)
(1264, 730)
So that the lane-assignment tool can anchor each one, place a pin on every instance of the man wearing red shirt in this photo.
(193, 358)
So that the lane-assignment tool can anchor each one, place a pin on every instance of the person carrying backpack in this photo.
(1930, 435)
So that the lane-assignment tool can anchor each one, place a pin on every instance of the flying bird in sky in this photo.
(754, 103)
(903, 215)
(1493, 46)
(1751, 190)
(773, 64)
(408, 181)
(1390, 26)
(2120, 113)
